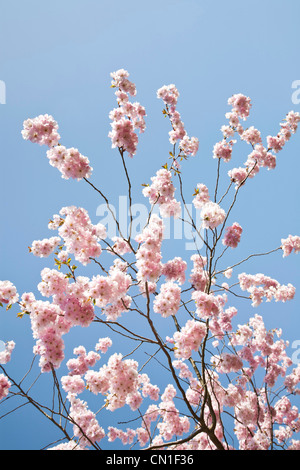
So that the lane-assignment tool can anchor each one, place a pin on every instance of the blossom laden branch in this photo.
(209, 363)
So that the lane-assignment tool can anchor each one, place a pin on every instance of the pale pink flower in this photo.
(5, 355)
(45, 247)
(201, 196)
(292, 242)
(167, 302)
(8, 293)
(241, 105)
(128, 117)
(41, 130)
(189, 338)
(251, 136)
(223, 150)
(174, 270)
(233, 235)
(5, 385)
(70, 162)
(212, 215)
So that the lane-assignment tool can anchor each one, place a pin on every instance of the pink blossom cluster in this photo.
(222, 323)
(258, 158)
(120, 246)
(172, 423)
(73, 384)
(41, 130)
(251, 136)
(189, 146)
(167, 302)
(48, 326)
(241, 105)
(261, 156)
(114, 310)
(80, 236)
(71, 306)
(261, 349)
(103, 344)
(292, 380)
(255, 419)
(120, 80)
(54, 283)
(125, 436)
(199, 276)
(72, 298)
(169, 423)
(184, 371)
(120, 381)
(169, 94)
(50, 348)
(289, 127)
(260, 286)
(189, 338)
(161, 192)
(238, 175)
(233, 235)
(201, 196)
(207, 305)
(233, 395)
(70, 162)
(174, 270)
(226, 363)
(5, 385)
(8, 293)
(80, 365)
(148, 255)
(212, 215)
(288, 418)
(111, 289)
(128, 117)
(284, 408)
(147, 388)
(228, 273)
(292, 242)
(45, 247)
(86, 427)
(223, 149)
(5, 355)
(247, 413)
(116, 285)
(142, 433)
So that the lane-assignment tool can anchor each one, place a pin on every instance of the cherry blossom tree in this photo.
(222, 378)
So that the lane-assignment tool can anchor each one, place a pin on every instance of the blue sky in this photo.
(56, 58)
